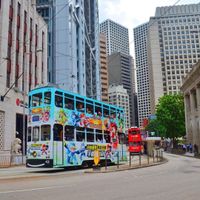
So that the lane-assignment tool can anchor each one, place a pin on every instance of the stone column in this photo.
(198, 99)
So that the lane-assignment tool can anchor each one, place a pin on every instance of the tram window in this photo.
(98, 110)
(69, 133)
(99, 136)
(90, 135)
(80, 104)
(89, 107)
(47, 98)
(105, 111)
(36, 133)
(29, 134)
(107, 136)
(58, 99)
(45, 132)
(134, 144)
(37, 100)
(69, 101)
(29, 101)
(134, 132)
(113, 114)
(57, 132)
(80, 134)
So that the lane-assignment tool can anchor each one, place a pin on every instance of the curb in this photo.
(165, 160)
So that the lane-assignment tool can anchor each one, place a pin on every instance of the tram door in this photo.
(58, 151)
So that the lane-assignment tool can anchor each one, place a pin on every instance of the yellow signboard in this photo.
(96, 157)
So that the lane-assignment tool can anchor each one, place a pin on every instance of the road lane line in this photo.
(34, 189)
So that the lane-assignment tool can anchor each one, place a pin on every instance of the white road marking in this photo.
(33, 189)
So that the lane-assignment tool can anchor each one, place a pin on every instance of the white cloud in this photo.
(131, 13)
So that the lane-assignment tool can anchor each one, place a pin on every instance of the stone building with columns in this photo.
(191, 91)
(23, 66)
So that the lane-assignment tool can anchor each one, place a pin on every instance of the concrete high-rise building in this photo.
(116, 36)
(23, 61)
(120, 73)
(142, 70)
(173, 48)
(119, 60)
(119, 96)
(104, 68)
(73, 44)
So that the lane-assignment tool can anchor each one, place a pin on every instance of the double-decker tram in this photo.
(65, 129)
(134, 140)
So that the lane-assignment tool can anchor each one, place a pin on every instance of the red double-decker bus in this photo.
(134, 140)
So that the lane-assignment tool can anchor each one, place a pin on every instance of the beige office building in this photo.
(104, 68)
(23, 66)
(118, 96)
(173, 48)
(191, 90)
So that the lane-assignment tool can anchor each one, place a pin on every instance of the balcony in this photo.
(8, 66)
(9, 39)
(18, 21)
(17, 45)
(11, 12)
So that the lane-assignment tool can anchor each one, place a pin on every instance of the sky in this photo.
(132, 13)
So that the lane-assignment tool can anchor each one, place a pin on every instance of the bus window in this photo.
(107, 136)
(36, 133)
(29, 134)
(45, 132)
(80, 104)
(69, 101)
(37, 100)
(98, 109)
(57, 132)
(90, 135)
(47, 98)
(99, 136)
(105, 111)
(89, 107)
(80, 134)
(69, 133)
(59, 99)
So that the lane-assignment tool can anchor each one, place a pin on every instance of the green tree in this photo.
(157, 127)
(170, 115)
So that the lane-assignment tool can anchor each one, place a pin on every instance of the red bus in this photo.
(134, 140)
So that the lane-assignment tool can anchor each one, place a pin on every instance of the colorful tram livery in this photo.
(65, 129)
(134, 140)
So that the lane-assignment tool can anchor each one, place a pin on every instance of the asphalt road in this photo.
(177, 179)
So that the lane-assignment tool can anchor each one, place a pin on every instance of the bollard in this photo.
(106, 162)
(148, 158)
(118, 160)
(157, 155)
(161, 155)
(129, 159)
(140, 159)
(153, 155)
